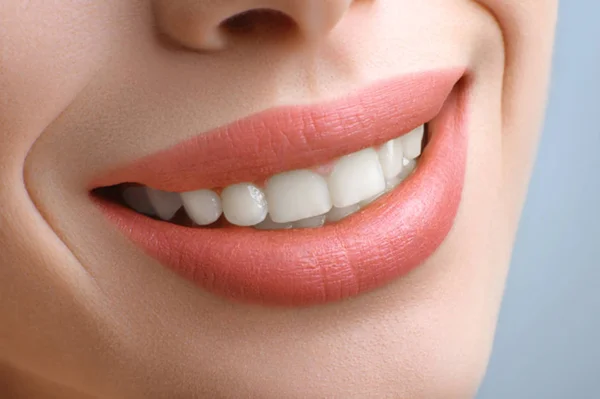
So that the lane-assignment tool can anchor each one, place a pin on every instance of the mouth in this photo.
(303, 205)
(298, 199)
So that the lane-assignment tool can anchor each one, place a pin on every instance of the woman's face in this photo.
(396, 300)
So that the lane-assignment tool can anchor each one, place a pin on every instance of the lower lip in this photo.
(315, 266)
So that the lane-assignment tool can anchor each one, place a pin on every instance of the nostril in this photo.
(258, 21)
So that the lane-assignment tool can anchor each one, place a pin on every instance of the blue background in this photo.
(548, 340)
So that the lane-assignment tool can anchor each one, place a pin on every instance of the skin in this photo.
(85, 86)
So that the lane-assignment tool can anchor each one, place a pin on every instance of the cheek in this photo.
(49, 52)
(528, 30)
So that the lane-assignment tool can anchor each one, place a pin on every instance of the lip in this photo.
(363, 252)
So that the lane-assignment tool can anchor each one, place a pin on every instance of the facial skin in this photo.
(85, 86)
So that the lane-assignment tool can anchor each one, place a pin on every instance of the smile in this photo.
(303, 205)
(301, 198)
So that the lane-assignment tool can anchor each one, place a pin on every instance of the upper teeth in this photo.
(244, 204)
(165, 204)
(299, 198)
(203, 206)
(297, 195)
(355, 178)
(411, 143)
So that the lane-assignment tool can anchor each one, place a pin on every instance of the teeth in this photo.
(137, 199)
(411, 142)
(356, 177)
(372, 199)
(269, 224)
(393, 183)
(202, 206)
(310, 223)
(337, 214)
(244, 204)
(390, 157)
(409, 167)
(297, 195)
(164, 203)
(295, 199)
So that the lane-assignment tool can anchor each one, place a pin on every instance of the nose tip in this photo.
(203, 24)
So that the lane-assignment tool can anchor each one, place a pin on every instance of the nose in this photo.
(211, 24)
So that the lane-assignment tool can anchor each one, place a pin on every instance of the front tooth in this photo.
(393, 183)
(297, 195)
(310, 223)
(136, 198)
(412, 142)
(409, 166)
(355, 178)
(390, 156)
(337, 214)
(372, 199)
(202, 206)
(269, 224)
(244, 204)
(165, 204)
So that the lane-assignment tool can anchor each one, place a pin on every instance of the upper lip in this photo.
(291, 137)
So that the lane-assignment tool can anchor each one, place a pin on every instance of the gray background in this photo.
(548, 340)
